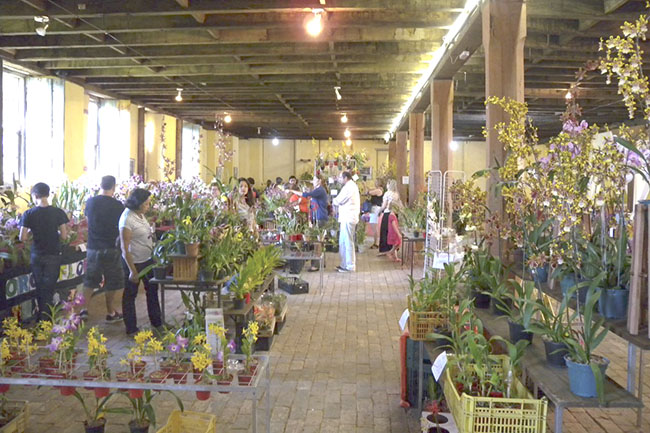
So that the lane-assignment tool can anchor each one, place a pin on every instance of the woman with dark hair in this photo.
(319, 212)
(242, 201)
(137, 242)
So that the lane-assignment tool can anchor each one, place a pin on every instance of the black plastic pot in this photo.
(612, 303)
(95, 428)
(160, 272)
(481, 300)
(134, 427)
(206, 275)
(295, 266)
(503, 302)
(540, 274)
(518, 332)
(238, 304)
(179, 248)
(437, 418)
(555, 353)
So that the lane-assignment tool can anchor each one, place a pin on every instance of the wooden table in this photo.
(193, 286)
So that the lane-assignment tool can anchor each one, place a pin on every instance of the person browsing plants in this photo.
(136, 238)
(319, 212)
(47, 224)
(348, 202)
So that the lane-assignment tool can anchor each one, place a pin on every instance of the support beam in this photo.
(416, 156)
(442, 124)
(392, 153)
(401, 155)
(179, 148)
(1, 130)
(504, 35)
(140, 145)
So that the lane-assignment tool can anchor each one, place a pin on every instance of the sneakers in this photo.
(115, 317)
(342, 270)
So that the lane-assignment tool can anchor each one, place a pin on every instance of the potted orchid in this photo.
(225, 347)
(176, 365)
(97, 360)
(249, 338)
(153, 347)
(95, 421)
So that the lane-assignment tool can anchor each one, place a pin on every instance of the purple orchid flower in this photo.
(182, 342)
(232, 346)
(54, 344)
(220, 356)
(59, 329)
(68, 306)
(79, 300)
(174, 348)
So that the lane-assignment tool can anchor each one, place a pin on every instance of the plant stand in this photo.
(191, 286)
(304, 256)
(281, 319)
(265, 338)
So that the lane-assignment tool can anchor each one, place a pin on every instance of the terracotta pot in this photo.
(180, 374)
(102, 392)
(202, 395)
(136, 393)
(225, 383)
(45, 363)
(217, 365)
(4, 387)
(139, 368)
(122, 376)
(244, 380)
(18, 363)
(90, 376)
(66, 391)
(158, 376)
(192, 250)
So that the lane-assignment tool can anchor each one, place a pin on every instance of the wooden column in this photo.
(392, 148)
(401, 153)
(140, 145)
(442, 124)
(179, 148)
(416, 155)
(1, 130)
(504, 34)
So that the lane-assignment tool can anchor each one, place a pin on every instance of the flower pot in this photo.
(101, 392)
(192, 250)
(518, 332)
(95, 426)
(158, 376)
(136, 427)
(496, 303)
(4, 387)
(66, 391)
(206, 275)
(17, 363)
(244, 380)
(437, 418)
(225, 382)
(612, 303)
(181, 373)
(295, 266)
(160, 272)
(238, 304)
(567, 282)
(481, 300)
(582, 381)
(202, 395)
(217, 365)
(139, 368)
(46, 364)
(122, 376)
(438, 430)
(555, 353)
(136, 393)
(539, 274)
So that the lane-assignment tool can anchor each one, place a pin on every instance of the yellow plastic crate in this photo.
(422, 323)
(190, 422)
(524, 414)
(18, 424)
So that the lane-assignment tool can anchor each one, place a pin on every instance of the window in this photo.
(92, 137)
(13, 121)
(107, 139)
(190, 158)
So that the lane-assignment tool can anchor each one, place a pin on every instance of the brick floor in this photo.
(334, 367)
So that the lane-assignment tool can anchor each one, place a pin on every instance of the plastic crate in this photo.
(190, 422)
(523, 414)
(422, 323)
(19, 423)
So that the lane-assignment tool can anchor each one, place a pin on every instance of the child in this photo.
(394, 235)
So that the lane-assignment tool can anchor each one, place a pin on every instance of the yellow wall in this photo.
(76, 124)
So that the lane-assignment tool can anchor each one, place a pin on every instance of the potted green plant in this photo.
(253, 273)
(143, 410)
(586, 369)
(95, 421)
(249, 338)
(479, 266)
(554, 328)
(522, 311)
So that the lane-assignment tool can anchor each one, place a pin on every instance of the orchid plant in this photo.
(249, 338)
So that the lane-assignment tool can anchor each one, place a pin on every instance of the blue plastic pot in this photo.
(581, 379)
(540, 274)
(612, 303)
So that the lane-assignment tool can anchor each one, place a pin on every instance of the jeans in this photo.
(347, 233)
(320, 224)
(45, 270)
(131, 292)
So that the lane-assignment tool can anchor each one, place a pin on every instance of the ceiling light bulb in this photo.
(344, 118)
(347, 133)
(453, 146)
(387, 136)
(42, 30)
(228, 118)
(179, 96)
(275, 141)
(314, 25)
(568, 95)
(348, 142)
(338, 93)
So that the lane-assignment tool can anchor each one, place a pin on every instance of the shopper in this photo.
(348, 203)
(136, 238)
(242, 202)
(376, 200)
(390, 197)
(292, 184)
(394, 234)
(47, 225)
(319, 211)
(104, 262)
(256, 194)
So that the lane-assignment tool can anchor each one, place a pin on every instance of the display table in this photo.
(306, 256)
(410, 242)
(193, 286)
(260, 384)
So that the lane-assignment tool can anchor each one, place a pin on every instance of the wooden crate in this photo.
(186, 268)
(19, 423)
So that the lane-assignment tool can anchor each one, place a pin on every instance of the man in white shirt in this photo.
(348, 203)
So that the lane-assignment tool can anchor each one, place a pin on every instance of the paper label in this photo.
(439, 365)
(334, 192)
(330, 180)
(403, 319)
(82, 247)
(355, 178)
(405, 180)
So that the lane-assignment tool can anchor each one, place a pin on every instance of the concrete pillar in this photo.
(416, 155)
(504, 35)
(140, 146)
(442, 124)
(401, 154)
(179, 148)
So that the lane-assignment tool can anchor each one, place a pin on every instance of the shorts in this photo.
(104, 265)
(374, 215)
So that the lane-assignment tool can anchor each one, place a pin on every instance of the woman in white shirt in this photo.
(137, 241)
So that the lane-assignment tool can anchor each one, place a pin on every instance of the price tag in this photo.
(330, 180)
(403, 319)
(355, 178)
(82, 247)
(334, 192)
(405, 180)
(439, 365)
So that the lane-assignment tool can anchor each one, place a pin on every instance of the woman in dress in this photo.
(137, 241)
(391, 196)
(376, 200)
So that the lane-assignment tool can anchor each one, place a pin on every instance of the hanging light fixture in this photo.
(344, 118)
(45, 23)
(227, 118)
(347, 133)
(275, 141)
(348, 142)
(337, 90)
(179, 96)
(314, 24)
(387, 137)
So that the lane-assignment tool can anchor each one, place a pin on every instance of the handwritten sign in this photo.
(404, 319)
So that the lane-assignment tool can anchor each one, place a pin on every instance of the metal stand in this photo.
(305, 256)
(193, 286)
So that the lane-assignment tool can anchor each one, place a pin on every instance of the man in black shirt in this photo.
(48, 227)
(104, 256)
